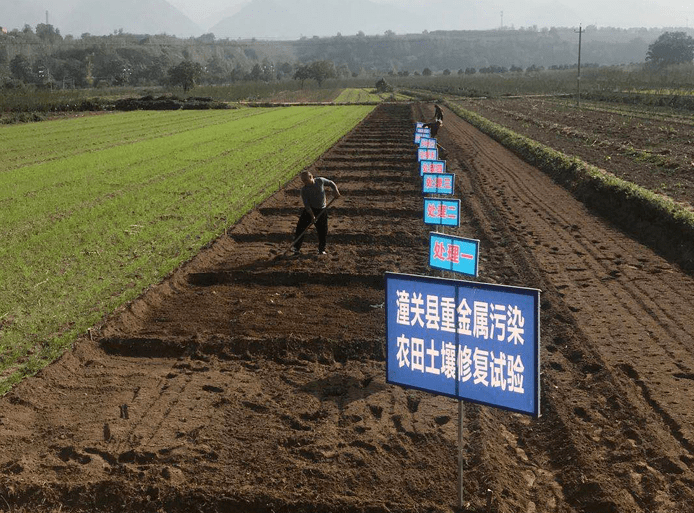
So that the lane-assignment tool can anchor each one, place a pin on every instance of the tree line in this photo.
(43, 57)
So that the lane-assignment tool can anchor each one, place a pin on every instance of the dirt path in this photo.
(256, 383)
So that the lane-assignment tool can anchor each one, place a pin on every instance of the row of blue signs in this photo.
(468, 340)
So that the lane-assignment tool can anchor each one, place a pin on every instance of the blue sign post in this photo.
(421, 132)
(427, 154)
(456, 254)
(441, 212)
(434, 183)
(473, 341)
(427, 142)
(432, 166)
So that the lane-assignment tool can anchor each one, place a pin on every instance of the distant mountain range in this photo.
(293, 19)
(97, 17)
(265, 19)
(134, 16)
(283, 19)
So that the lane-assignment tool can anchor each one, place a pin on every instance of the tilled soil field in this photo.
(653, 148)
(250, 381)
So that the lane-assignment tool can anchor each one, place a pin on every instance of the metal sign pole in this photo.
(461, 417)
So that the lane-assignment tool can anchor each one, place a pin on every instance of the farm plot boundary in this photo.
(97, 209)
(652, 218)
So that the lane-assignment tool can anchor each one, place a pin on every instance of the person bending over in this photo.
(313, 197)
(434, 126)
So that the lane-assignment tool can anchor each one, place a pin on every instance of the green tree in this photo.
(343, 71)
(383, 87)
(322, 70)
(20, 68)
(112, 68)
(426, 72)
(317, 70)
(217, 70)
(186, 74)
(670, 48)
(256, 72)
(302, 73)
(286, 68)
(48, 33)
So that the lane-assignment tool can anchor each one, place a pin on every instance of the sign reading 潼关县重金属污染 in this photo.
(455, 254)
(434, 183)
(473, 341)
(441, 212)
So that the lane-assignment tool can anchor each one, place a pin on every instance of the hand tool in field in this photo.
(306, 229)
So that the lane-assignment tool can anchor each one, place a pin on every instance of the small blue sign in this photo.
(441, 212)
(425, 132)
(427, 154)
(432, 166)
(427, 142)
(473, 341)
(450, 253)
(434, 183)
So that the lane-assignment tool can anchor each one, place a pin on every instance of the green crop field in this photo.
(354, 95)
(367, 95)
(96, 208)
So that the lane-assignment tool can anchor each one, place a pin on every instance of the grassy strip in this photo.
(354, 95)
(366, 95)
(654, 219)
(90, 221)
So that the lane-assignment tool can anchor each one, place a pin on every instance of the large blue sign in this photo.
(473, 341)
(442, 212)
(434, 183)
(450, 253)
(432, 166)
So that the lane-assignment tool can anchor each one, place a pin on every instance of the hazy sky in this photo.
(481, 14)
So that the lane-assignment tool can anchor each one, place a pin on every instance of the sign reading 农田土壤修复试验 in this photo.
(474, 341)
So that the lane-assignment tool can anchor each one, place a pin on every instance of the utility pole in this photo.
(578, 80)
(502, 20)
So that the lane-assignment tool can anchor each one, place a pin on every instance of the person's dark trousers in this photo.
(321, 227)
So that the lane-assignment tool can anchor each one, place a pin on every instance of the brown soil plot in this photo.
(245, 382)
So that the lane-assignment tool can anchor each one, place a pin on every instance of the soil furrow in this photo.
(252, 380)
(562, 262)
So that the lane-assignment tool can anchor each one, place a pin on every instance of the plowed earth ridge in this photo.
(252, 381)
